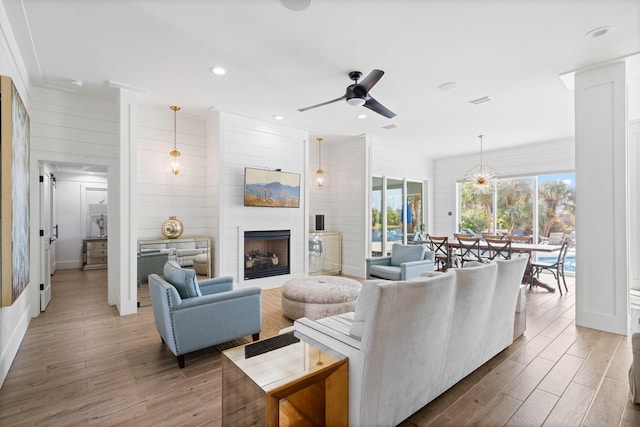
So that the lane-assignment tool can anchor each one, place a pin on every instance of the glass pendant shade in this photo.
(320, 180)
(175, 164)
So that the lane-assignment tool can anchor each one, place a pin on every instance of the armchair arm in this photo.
(430, 256)
(411, 269)
(216, 285)
(379, 260)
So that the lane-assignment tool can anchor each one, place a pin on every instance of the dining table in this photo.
(528, 248)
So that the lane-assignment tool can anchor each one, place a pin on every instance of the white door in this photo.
(46, 237)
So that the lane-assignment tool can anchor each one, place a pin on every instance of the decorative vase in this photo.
(172, 228)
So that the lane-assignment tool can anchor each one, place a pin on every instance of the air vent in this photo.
(389, 127)
(481, 100)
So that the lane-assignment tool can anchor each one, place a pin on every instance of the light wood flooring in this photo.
(82, 364)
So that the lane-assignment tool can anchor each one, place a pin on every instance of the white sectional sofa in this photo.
(409, 341)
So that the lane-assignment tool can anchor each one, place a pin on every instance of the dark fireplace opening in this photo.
(266, 253)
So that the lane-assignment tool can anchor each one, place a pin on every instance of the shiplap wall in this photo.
(541, 158)
(14, 320)
(387, 163)
(160, 193)
(246, 142)
(344, 201)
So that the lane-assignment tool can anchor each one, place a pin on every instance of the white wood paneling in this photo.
(246, 142)
(634, 206)
(160, 194)
(601, 199)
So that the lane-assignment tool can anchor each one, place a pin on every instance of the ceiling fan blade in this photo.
(324, 103)
(374, 105)
(370, 81)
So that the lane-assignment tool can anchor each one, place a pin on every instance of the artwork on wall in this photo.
(271, 188)
(14, 189)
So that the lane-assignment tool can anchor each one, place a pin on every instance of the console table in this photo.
(325, 253)
(284, 380)
(94, 253)
(153, 254)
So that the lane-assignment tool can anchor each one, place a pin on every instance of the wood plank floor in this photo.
(82, 364)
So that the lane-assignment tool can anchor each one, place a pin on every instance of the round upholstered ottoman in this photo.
(316, 297)
(200, 264)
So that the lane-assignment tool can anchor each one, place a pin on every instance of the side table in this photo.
(283, 381)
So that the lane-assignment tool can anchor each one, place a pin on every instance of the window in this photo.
(533, 206)
(396, 213)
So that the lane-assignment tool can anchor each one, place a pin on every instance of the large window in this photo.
(534, 206)
(397, 212)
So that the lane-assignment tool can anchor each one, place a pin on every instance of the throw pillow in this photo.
(407, 253)
(183, 280)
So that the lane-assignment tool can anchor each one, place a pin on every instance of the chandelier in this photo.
(175, 165)
(482, 177)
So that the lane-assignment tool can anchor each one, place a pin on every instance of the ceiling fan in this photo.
(357, 94)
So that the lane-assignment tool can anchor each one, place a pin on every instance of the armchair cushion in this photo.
(406, 253)
(183, 280)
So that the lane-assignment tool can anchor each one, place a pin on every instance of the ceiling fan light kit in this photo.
(357, 94)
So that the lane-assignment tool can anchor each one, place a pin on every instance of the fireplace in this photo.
(266, 253)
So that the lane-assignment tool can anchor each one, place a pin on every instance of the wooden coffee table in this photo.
(284, 381)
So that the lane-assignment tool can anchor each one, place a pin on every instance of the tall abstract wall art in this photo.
(14, 192)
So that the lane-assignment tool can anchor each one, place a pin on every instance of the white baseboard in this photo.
(68, 265)
(10, 346)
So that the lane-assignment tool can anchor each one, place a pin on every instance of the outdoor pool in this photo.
(569, 261)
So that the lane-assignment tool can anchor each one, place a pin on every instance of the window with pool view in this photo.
(511, 209)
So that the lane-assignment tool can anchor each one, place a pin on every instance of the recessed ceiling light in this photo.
(599, 32)
(77, 82)
(296, 5)
(218, 70)
(448, 86)
(278, 117)
(481, 100)
(361, 116)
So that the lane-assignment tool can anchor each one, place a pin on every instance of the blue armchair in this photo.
(405, 262)
(192, 315)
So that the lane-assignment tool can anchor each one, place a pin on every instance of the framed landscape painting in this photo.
(14, 189)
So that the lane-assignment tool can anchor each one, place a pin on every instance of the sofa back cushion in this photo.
(183, 280)
(406, 253)
(364, 305)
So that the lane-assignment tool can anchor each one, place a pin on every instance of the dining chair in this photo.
(468, 249)
(440, 245)
(556, 268)
(498, 248)
(520, 239)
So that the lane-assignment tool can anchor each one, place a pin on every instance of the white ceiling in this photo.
(278, 60)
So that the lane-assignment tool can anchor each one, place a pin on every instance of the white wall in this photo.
(160, 194)
(343, 202)
(540, 158)
(248, 142)
(70, 216)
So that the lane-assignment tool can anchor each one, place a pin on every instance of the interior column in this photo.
(601, 198)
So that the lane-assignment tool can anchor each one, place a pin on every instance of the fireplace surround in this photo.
(266, 253)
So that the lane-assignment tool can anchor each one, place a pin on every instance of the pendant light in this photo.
(175, 165)
(482, 177)
(321, 179)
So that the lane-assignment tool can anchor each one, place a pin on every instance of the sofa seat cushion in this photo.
(407, 253)
(388, 272)
(183, 280)
(188, 252)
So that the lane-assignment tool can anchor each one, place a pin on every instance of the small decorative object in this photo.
(274, 259)
(248, 262)
(100, 222)
(172, 228)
